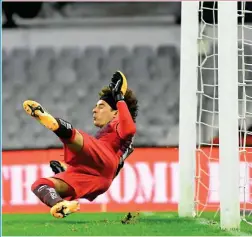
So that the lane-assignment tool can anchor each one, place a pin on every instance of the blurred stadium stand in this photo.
(66, 79)
(67, 82)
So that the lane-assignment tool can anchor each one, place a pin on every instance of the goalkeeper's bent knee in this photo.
(42, 181)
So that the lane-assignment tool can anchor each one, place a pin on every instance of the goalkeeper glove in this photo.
(57, 167)
(118, 86)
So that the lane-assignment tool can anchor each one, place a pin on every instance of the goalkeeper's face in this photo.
(103, 114)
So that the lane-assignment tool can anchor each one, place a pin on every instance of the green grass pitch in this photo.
(109, 224)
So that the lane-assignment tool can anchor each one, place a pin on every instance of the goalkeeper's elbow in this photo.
(130, 131)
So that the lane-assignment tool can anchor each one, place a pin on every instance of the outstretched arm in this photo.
(118, 88)
(126, 126)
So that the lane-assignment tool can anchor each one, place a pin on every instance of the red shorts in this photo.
(84, 185)
(90, 171)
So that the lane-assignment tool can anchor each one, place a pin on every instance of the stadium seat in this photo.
(136, 67)
(109, 65)
(45, 53)
(143, 51)
(65, 75)
(94, 52)
(21, 53)
(87, 68)
(119, 52)
(69, 53)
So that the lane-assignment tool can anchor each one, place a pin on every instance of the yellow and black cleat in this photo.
(35, 110)
(64, 208)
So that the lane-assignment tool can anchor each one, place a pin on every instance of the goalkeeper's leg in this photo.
(50, 191)
(63, 129)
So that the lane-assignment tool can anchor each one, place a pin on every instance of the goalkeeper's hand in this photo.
(118, 86)
(57, 166)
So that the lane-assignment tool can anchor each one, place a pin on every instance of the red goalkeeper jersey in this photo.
(117, 135)
(101, 154)
(92, 170)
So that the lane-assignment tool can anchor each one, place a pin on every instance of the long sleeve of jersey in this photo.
(126, 126)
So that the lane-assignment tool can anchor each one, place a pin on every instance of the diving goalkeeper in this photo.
(92, 162)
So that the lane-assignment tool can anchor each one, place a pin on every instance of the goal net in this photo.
(220, 131)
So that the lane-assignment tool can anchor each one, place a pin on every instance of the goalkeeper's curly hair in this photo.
(129, 98)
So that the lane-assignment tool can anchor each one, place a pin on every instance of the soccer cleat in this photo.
(35, 110)
(64, 208)
(124, 84)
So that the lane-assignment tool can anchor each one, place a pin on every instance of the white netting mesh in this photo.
(207, 175)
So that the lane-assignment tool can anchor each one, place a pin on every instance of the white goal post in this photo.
(188, 106)
(228, 115)
(227, 74)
